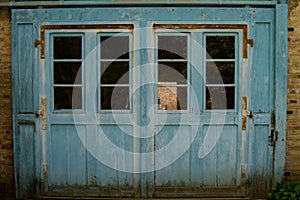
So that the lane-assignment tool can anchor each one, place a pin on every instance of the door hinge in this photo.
(245, 113)
(251, 42)
(43, 113)
(37, 42)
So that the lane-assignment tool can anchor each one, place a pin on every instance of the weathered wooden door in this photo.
(179, 116)
(156, 102)
(89, 79)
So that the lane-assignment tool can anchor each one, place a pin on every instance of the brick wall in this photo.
(6, 134)
(293, 99)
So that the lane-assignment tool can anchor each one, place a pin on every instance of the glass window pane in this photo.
(67, 47)
(67, 98)
(172, 98)
(218, 98)
(114, 47)
(114, 72)
(172, 47)
(220, 47)
(175, 72)
(67, 73)
(115, 98)
(220, 73)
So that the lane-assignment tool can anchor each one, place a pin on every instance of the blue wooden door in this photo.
(177, 120)
(88, 108)
(156, 102)
(199, 132)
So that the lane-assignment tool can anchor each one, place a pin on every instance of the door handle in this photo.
(245, 113)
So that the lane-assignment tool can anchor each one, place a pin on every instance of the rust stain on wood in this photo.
(244, 117)
(43, 113)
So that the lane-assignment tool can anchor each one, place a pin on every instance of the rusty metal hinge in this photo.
(245, 113)
(37, 42)
(43, 113)
(251, 42)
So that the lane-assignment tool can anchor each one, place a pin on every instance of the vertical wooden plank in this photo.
(25, 68)
(261, 68)
(119, 136)
(108, 176)
(261, 159)
(76, 155)
(261, 148)
(25, 152)
(59, 155)
(227, 156)
(177, 173)
(281, 88)
(93, 178)
(210, 162)
(197, 169)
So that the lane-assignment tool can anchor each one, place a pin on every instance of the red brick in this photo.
(293, 98)
(6, 134)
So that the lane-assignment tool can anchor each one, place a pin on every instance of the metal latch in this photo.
(42, 113)
(246, 113)
(273, 137)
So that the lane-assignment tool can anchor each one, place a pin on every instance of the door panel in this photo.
(67, 156)
(79, 124)
(25, 147)
(262, 68)
(213, 157)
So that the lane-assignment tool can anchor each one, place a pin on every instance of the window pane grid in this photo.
(114, 78)
(220, 62)
(67, 72)
(172, 72)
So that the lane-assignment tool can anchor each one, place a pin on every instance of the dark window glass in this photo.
(220, 73)
(175, 72)
(67, 47)
(67, 73)
(114, 72)
(67, 98)
(220, 47)
(172, 47)
(172, 98)
(220, 98)
(114, 98)
(114, 47)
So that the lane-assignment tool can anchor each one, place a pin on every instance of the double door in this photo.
(181, 101)
(146, 110)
